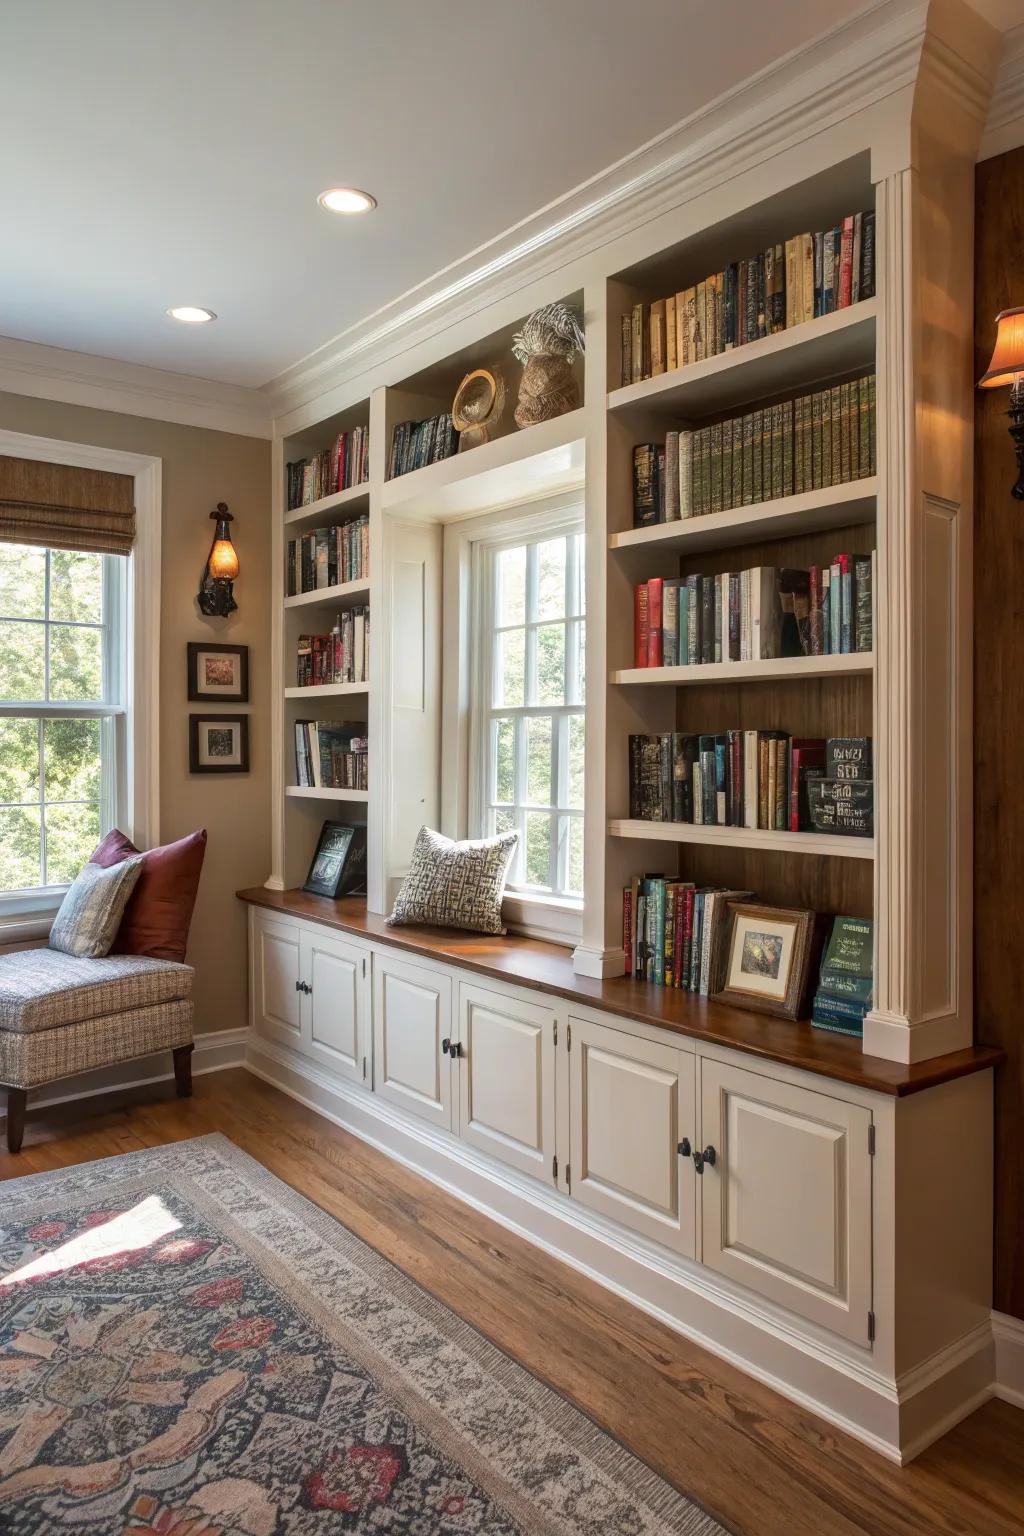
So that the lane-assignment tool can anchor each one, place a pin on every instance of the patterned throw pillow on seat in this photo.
(90, 914)
(455, 885)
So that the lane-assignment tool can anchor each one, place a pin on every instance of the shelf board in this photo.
(782, 667)
(327, 691)
(836, 506)
(302, 792)
(536, 461)
(349, 500)
(818, 349)
(757, 838)
(340, 596)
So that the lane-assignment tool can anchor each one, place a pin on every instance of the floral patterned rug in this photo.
(190, 1348)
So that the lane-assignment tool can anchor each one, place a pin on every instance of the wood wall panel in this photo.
(999, 713)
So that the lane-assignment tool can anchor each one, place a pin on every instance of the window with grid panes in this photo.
(62, 683)
(528, 713)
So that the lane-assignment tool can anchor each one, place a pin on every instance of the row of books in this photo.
(331, 755)
(757, 779)
(343, 656)
(807, 444)
(846, 983)
(673, 931)
(755, 615)
(782, 286)
(328, 557)
(345, 463)
(416, 443)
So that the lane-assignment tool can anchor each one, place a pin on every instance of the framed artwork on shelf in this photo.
(768, 958)
(218, 743)
(339, 863)
(218, 672)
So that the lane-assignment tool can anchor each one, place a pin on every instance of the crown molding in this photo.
(1004, 128)
(853, 67)
(101, 383)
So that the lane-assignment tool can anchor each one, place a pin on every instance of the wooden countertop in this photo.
(548, 968)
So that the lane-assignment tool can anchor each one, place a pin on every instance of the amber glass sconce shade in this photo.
(1007, 368)
(216, 595)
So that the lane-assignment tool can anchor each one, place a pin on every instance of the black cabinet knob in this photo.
(705, 1158)
(709, 1155)
(684, 1147)
(456, 1048)
(446, 1046)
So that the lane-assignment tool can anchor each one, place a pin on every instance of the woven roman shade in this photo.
(66, 508)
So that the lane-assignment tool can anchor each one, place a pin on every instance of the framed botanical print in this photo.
(769, 954)
(218, 672)
(218, 743)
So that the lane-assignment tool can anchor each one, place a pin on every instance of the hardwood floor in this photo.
(762, 1465)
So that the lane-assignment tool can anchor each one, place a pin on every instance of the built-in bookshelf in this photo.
(801, 519)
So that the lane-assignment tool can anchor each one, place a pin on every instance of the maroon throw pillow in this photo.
(157, 918)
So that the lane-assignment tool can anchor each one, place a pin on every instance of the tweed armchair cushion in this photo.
(455, 885)
(91, 911)
(28, 1061)
(45, 989)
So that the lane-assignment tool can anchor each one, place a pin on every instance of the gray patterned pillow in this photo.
(90, 914)
(455, 885)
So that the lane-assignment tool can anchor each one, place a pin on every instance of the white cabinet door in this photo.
(787, 1202)
(277, 977)
(505, 1070)
(412, 1015)
(631, 1104)
(335, 1029)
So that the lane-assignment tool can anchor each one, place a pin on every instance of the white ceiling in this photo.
(158, 152)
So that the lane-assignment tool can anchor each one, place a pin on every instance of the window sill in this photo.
(543, 917)
(27, 916)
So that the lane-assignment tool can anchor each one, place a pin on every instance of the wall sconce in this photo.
(1007, 367)
(215, 595)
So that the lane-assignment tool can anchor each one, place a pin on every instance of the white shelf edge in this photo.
(307, 792)
(333, 503)
(505, 461)
(327, 691)
(820, 843)
(806, 512)
(339, 594)
(682, 380)
(852, 664)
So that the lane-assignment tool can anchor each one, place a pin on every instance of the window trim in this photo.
(28, 914)
(539, 916)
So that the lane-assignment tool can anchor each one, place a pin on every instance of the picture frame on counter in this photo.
(769, 959)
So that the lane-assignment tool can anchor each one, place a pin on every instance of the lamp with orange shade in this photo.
(1007, 368)
(216, 596)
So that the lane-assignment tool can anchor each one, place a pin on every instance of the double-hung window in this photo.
(62, 713)
(527, 706)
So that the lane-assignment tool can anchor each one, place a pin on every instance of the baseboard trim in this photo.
(1008, 1333)
(214, 1051)
(895, 1418)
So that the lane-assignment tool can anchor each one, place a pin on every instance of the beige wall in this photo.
(200, 468)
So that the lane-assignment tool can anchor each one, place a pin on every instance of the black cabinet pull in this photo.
(301, 986)
(707, 1157)
(446, 1046)
(684, 1149)
(456, 1048)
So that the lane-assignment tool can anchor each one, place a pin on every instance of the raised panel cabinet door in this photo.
(787, 1202)
(631, 1103)
(412, 1016)
(505, 1071)
(335, 1032)
(278, 973)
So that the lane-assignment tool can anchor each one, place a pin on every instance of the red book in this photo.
(807, 753)
(846, 265)
(655, 590)
(684, 978)
(641, 625)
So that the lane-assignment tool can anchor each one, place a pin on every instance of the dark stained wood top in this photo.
(548, 968)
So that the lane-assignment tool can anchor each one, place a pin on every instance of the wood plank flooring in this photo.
(762, 1465)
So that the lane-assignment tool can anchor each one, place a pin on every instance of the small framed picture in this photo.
(218, 743)
(218, 672)
(339, 863)
(769, 953)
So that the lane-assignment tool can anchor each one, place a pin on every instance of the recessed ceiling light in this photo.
(346, 200)
(191, 314)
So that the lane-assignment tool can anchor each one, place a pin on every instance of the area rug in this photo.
(189, 1347)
